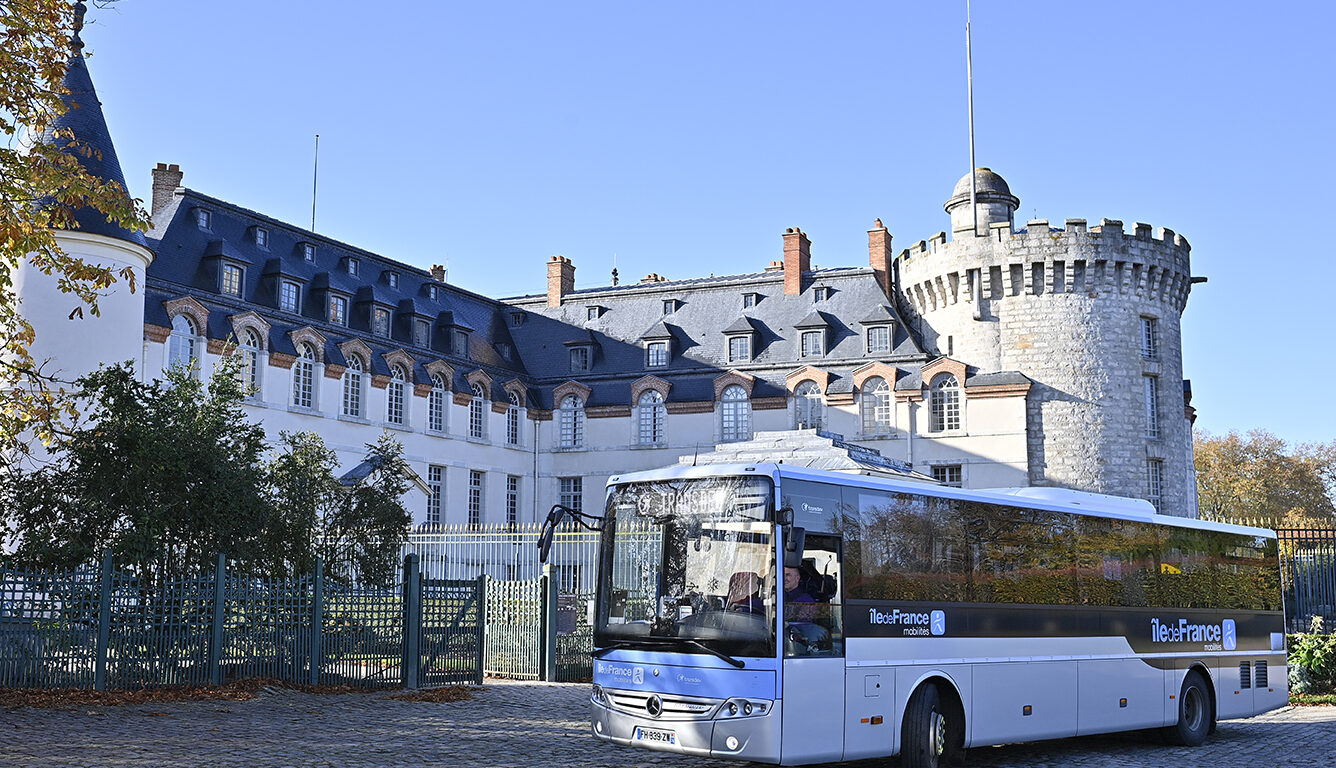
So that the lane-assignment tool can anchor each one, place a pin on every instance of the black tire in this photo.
(933, 734)
(1196, 713)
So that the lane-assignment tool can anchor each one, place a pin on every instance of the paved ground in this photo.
(513, 724)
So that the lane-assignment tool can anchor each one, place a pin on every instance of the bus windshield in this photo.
(689, 565)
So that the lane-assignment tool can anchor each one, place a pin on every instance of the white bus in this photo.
(787, 615)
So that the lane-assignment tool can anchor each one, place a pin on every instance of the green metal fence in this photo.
(103, 628)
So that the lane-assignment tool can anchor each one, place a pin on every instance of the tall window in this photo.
(232, 280)
(1152, 386)
(947, 474)
(289, 296)
(1154, 482)
(579, 358)
(421, 333)
(303, 377)
(878, 416)
(572, 422)
(436, 405)
(512, 500)
(650, 418)
(250, 363)
(739, 349)
(734, 414)
(182, 346)
(813, 345)
(436, 488)
(878, 339)
(478, 414)
(1150, 338)
(380, 321)
(571, 493)
(808, 407)
(944, 404)
(352, 387)
(394, 395)
(656, 354)
(338, 310)
(513, 420)
(462, 343)
(475, 497)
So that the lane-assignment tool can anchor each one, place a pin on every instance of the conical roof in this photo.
(92, 143)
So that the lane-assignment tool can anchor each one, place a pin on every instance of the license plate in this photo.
(655, 736)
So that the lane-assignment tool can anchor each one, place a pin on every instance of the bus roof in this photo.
(1036, 497)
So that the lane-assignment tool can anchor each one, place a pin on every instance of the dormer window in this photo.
(261, 237)
(203, 218)
(338, 310)
(669, 306)
(516, 319)
(462, 343)
(308, 251)
(739, 349)
(813, 343)
(433, 292)
(593, 313)
(503, 349)
(878, 339)
(354, 266)
(656, 354)
(392, 279)
(579, 359)
(820, 293)
(380, 321)
(421, 333)
(232, 275)
(289, 296)
(749, 300)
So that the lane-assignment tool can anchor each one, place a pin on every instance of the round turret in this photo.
(992, 196)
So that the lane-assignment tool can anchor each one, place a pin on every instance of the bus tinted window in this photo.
(1023, 556)
(908, 547)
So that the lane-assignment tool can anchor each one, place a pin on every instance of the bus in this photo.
(789, 615)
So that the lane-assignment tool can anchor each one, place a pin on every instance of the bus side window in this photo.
(813, 622)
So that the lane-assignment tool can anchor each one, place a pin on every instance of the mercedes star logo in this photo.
(654, 706)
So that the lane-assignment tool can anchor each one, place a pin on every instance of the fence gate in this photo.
(452, 639)
(1308, 568)
(514, 646)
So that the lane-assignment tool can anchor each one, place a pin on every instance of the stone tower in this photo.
(77, 345)
(1090, 314)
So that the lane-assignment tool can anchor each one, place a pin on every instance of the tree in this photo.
(164, 474)
(355, 528)
(43, 184)
(1257, 477)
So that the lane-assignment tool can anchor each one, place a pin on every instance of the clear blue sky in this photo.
(685, 136)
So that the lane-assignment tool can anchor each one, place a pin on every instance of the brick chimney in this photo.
(560, 279)
(880, 255)
(797, 259)
(166, 178)
(438, 273)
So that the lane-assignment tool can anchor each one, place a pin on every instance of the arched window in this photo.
(572, 422)
(250, 363)
(303, 377)
(878, 413)
(436, 405)
(734, 414)
(394, 395)
(478, 413)
(353, 384)
(183, 343)
(944, 404)
(513, 420)
(808, 407)
(650, 418)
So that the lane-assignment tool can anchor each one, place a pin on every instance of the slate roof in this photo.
(92, 145)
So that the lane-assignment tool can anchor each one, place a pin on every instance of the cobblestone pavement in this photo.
(515, 724)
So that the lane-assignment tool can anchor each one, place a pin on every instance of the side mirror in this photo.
(784, 516)
(794, 540)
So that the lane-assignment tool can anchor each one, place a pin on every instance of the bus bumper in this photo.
(753, 738)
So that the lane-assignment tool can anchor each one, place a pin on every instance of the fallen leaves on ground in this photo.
(442, 695)
(240, 690)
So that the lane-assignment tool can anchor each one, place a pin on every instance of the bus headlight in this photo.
(598, 695)
(742, 708)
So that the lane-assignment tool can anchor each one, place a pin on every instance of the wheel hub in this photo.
(937, 734)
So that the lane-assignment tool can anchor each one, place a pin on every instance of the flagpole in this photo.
(969, 76)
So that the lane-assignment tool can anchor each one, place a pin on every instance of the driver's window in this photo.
(813, 624)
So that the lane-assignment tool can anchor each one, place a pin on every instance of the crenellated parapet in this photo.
(1103, 260)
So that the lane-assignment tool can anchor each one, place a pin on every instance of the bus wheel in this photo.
(933, 734)
(1196, 713)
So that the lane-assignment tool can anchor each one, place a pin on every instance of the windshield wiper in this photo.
(668, 641)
